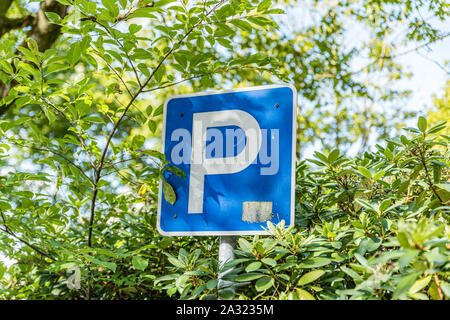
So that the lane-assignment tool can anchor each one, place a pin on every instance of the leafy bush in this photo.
(371, 227)
(82, 85)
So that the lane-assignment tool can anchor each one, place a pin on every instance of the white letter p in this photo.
(201, 166)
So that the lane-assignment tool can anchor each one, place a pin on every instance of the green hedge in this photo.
(370, 227)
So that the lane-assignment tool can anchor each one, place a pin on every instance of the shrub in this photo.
(370, 227)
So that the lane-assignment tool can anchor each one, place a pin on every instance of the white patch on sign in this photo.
(256, 211)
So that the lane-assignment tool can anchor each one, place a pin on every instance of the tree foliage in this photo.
(82, 85)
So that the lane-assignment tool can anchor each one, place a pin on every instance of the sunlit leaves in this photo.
(347, 243)
(140, 263)
(310, 277)
(422, 124)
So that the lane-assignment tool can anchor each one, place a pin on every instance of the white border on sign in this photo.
(294, 145)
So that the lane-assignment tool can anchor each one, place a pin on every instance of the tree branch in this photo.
(4, 7)
(7, 24)
(7, 230)
(42, 31)
(119, 18)
(56, 154)
(204, 75)
(116, 125)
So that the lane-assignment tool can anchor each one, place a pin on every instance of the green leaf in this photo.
(7, 67)
(152, 126)
(158, 111)
(356, 277)
(112, 7)
(403, 188)
(379, 175)
(263, 284)
(169, 193)
(161, 3)
(321, 156)
(155, 154)
(419, 285)
(225, 294)
(105, 264)
(53, 17)
(123, 3)
(223, 30)
(388, 154)
(245, 245)
(177, 263)
(437, 172)
(57, 67)
(315, 262)
(422, 124)
(242, 24)
(440, 126)
(74, 53)
(304, 295)
(49, 114)
(212, 284)
(138, 141)
(407, 257)
(249, 276)
(264, 5)
(385, 204)
(175, 170)
(365, 172)
(253, 266)
(269, 261)
(434, 291)
(139, 263)
(445, 286)
(310, 277)
(444, 186)
(134, 28)
(334, 154)
(404, 285)
(144, 12)
(110, 265)
(96, 119)
(403, 239)
(29, 55)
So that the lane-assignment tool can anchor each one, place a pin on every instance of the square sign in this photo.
(237, 150)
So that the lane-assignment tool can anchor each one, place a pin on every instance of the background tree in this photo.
(82, 85)
(441, 110)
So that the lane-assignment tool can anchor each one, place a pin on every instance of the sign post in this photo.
(226, 254)
(237, 150)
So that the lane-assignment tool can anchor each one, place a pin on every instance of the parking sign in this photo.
(237, 149)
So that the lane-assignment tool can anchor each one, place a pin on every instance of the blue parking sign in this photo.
(237, 150)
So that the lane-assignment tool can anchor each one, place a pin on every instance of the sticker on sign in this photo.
(237, 150)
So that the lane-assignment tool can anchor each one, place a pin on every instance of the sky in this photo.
(429, 79)
(427, 65)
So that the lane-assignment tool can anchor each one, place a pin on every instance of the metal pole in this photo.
(226, 254)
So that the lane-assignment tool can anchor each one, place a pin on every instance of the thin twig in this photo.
(205, 75)
(80, 138)
(436, 281)
(11, 233)
(99, 169)
(55, 153)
